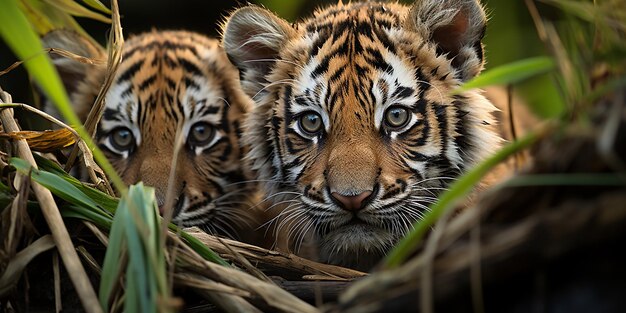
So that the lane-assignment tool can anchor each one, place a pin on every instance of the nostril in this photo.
(352, 203)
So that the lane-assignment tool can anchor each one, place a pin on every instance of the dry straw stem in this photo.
(96, 174)
(58, 304)
(61, 52)
(287, 263)
(50, 211)
(116, 41)
(277, 299)
(18, 263)
(227, 298)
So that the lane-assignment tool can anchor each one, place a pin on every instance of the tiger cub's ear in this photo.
(82, 81)
(72, 71)
(456, 27)
(252, 38)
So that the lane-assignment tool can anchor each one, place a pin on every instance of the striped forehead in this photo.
(163, 77)
(378, 74)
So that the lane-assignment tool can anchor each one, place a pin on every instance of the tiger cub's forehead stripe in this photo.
(155, 43)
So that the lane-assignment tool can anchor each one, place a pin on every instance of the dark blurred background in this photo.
(510, 36)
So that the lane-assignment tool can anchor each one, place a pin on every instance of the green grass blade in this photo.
(574, 179)
(141, 231)
(459, 189)
(56, 184)
(99, 219)
(146, 276)
(4, 188)
(112, 266)
(510, 73)
(73, 8)
(96, 4)
(104, 201)
(34, 13)
(107, 202)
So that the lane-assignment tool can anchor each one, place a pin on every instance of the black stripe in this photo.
(147, 82)
(130, 72)
(190, 67)
(161, 45)
(402, 92)
(111, 115)
(441, 114)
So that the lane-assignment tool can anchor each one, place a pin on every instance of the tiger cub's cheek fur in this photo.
(173, 87)
(355, 128)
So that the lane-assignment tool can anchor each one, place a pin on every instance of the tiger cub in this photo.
(355, 127)
(170, 81)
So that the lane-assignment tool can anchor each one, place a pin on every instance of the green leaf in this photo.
(97, 217)
(509, 73)
(136, 230)
(73, 8)
(45, 17)
(96, 4)
(34, 13)
(104, 200)
(112, 266)
(4, 188)
(55, 184)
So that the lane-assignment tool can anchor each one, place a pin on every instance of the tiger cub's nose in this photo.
(352, 203)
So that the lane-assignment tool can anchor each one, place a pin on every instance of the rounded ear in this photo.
(252, 38)
(456, 27)
(72, 71)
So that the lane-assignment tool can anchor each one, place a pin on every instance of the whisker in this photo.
(278, 82)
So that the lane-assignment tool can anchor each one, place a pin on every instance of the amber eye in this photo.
(311, 123)
(200, 134)
(122, 139)
(396, 117)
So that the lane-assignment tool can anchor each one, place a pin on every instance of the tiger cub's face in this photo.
(171, 83)
(355, 126)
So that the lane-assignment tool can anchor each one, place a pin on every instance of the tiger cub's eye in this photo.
(396, 117)
(311, 123)
(122, 138)
(200, 134)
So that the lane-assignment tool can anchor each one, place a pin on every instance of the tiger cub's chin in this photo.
(356, 129)
(170, 85)
(357, 245)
